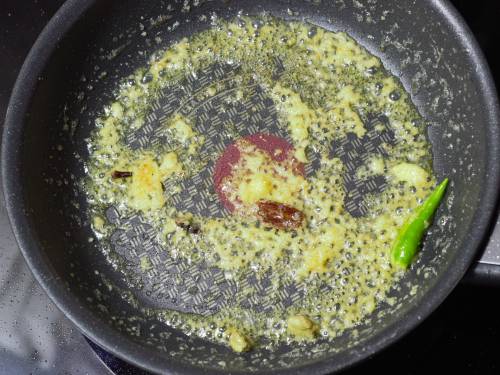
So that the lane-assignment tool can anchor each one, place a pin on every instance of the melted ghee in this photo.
(330, 83)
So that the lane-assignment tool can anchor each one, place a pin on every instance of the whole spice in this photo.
(189, 227)
(279, 215)
(121, 174)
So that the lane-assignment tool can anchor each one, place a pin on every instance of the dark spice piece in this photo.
(121, 174)
(280, 215)
(191, 228)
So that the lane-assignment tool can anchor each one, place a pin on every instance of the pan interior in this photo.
(112, 40)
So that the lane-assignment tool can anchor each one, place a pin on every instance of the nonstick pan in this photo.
(90, 46)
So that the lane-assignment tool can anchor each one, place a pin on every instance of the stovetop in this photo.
(36, 338)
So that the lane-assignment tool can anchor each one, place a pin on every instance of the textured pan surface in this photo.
(194, 287)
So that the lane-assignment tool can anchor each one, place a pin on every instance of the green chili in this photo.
(410, 235)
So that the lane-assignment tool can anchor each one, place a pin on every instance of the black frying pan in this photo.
(425, 43)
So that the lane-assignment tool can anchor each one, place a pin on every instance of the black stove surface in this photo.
(463, 335)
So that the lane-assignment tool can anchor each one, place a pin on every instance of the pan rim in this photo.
(107, 337)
